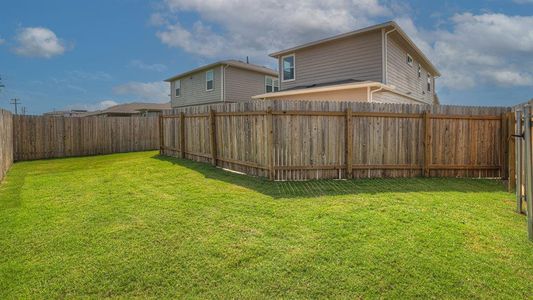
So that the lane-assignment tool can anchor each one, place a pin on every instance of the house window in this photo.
(209, 82)
(419, 71)
(177, 86)
(409, 60)
(429, 82)
(271, 84)
(288, 67)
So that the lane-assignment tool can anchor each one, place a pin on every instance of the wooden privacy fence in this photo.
(524, 163)
(38, 137)
(304, 140)
(6, 142)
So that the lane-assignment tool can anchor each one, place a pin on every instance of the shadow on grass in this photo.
(318, 188)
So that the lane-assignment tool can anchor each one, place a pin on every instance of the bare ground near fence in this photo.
(39, 137)
(303, 140)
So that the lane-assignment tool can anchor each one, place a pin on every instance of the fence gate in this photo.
(524, 172)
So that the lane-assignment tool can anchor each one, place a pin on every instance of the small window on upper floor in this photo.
(419, 71)
(409, 60)
(271, 84)
(177, 87)
(288, 69)
(209, 80)
(429, 82)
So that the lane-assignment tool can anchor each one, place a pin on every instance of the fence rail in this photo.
(39, 137)
(6, 142)
(314, 140)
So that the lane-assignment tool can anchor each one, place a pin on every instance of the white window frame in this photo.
(175, 88)
(409, 60)
(293, 67)
(213, 80)
(274, 80)
(429, 83)
(419, 71)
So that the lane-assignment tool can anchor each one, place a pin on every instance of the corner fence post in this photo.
(212, 136)
(427, 143)
(528, 170)
(511, 152)
(182, 135)
(348, 143)
(518, 161)
(270, 144)
(161, 136)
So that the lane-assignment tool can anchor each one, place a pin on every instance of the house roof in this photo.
(232, 63)
(331, 83)
(390, 24)
(130, 109)
(325, 88)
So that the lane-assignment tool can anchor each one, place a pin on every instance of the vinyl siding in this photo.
(241, 85)
(193, 89)
(357, 57)
(403, 76)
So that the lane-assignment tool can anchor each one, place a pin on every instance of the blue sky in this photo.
(91, 54)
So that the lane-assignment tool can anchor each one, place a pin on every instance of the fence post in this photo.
(212, 137)
(349, 143)
(511, 153)
(427, 143)
(270, 143)
(64, 140)
(519, 170)
(528, 170)
(182, 135)
(161, 136)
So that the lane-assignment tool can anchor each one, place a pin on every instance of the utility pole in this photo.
(15, 102)
(1, 84)
(23, 110)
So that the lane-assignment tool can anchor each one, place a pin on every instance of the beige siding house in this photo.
(374, 64)
(223, 81)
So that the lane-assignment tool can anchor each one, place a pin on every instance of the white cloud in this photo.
(479, 49)
(2, 41)
(256, 27)
(148, 67)
(92, 106)
(488, 48)
(156, 92)
(38, 42)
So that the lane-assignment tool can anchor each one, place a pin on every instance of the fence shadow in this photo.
(319, 188)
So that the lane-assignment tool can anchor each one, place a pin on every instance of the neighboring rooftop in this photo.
(130, 109)
(232, 63)
(65, 113)
(387, 25)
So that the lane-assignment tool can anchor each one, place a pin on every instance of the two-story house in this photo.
(223, 81)
(374, 64)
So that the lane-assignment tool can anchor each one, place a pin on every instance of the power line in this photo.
(15, 102)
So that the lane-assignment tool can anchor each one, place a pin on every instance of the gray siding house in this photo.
(374, 64)
(223, 81)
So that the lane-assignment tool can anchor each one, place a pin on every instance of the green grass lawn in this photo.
(140, 225)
